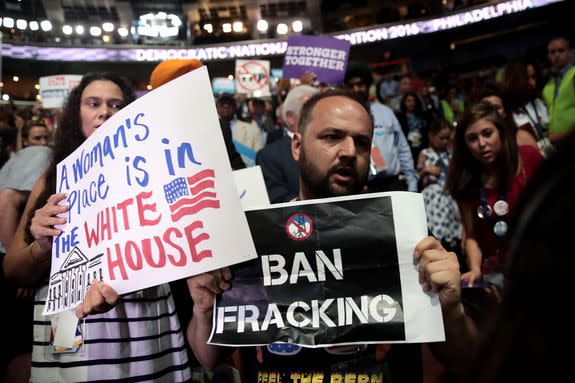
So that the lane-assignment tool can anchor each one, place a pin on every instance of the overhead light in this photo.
(67, 29)
(34, 26)
(262, 25)
(159, 25)
(46, 25)
(227, 27)
(16, 78)
(231, 77)
(208, 28)
(94, 31)
(123, 32)
(1, 84)
(38, 97)
(80, 29)
(37, 86)
(21, 24)
(5, 97)
(282, 29)
(238, 26)
(176, 22)
(108, 27)
(9, 22)
(297, 26)
(149, 87)
(57, 39)
(257, 93)
(106, 38)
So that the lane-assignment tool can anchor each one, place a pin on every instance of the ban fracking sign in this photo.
(334, 271)
(151, 198)
(253, 77)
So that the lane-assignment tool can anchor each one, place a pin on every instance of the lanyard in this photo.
(536, 122)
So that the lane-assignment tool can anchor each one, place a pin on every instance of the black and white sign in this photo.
(330, 272)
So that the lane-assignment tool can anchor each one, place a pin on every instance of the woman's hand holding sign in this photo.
(42, 227)
(99, 298)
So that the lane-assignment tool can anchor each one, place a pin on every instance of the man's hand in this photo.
(438, 271)
(204, 287)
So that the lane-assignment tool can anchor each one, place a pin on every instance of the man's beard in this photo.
(318, 185)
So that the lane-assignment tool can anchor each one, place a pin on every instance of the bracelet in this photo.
(31, 251)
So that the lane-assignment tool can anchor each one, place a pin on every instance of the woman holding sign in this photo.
(486, 174)
(137, 337)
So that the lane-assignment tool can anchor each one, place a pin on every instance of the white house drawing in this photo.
(69, 285)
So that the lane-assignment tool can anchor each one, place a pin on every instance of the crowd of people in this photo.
(492, 165)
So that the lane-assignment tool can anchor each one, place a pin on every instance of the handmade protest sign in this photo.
(55, 89)
(331, 272)
(325, 56)
(151, 198)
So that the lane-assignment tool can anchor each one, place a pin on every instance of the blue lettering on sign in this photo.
(65, 242)
(132, 130)
(79, 199)
(184, 152)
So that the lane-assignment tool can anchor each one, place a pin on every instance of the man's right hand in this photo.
(204, 287)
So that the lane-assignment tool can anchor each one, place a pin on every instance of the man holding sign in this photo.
(332, 149)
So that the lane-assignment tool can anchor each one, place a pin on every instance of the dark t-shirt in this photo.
(287, 363)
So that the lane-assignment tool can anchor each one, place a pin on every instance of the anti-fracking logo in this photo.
(299, 227)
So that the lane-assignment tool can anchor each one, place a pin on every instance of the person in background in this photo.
(246, 137)
(528, 112)
(279, 168)
(559, 93)
(414, 125)
(392, 166)
(261, 117)
(517, 345)
(17, 178)
(126, 338)
(405, 87)
(35, 134)
(523, 135)
(451, 106)
(443, 216)
(486, 174)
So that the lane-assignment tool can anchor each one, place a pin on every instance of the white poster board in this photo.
(251, 187)
(151, 196)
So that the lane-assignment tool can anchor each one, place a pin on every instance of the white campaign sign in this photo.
(55, 89)
(151, 198)
(251, 187)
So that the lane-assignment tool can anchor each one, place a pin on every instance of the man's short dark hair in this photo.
(361, 70)
(560, 37)
(258, 102)
(309, 105)
(226, 98)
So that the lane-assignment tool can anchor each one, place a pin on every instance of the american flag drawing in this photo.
(189, 195)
